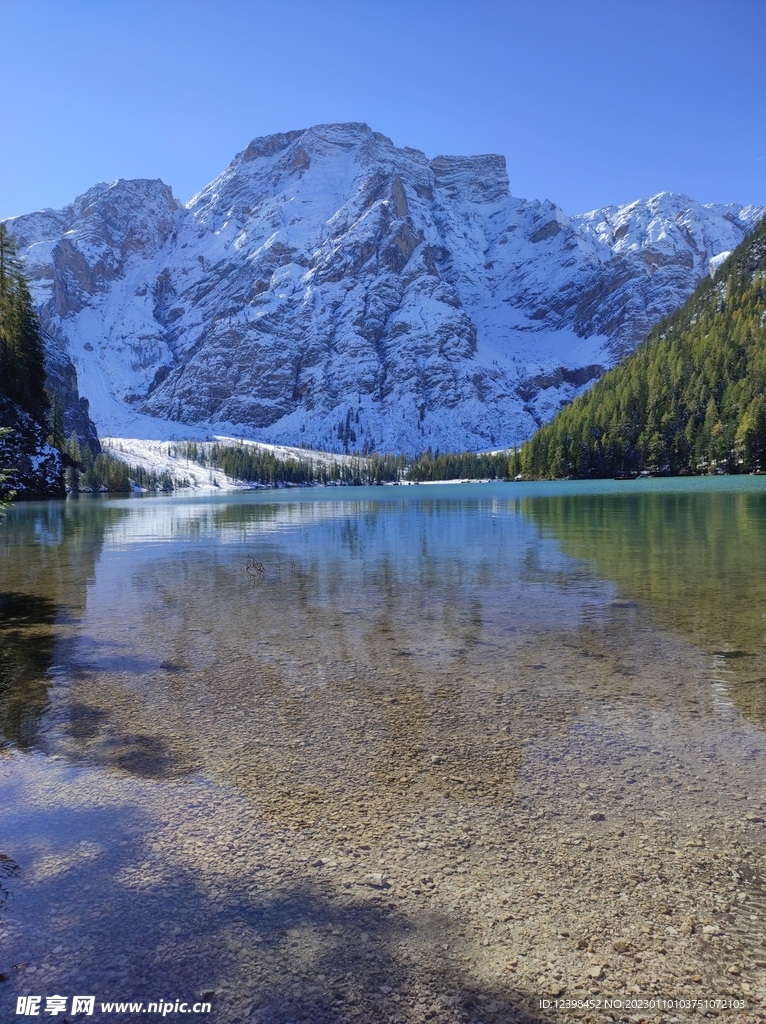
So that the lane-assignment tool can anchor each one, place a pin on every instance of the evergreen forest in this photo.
(690, 399)
(22, 356)
(261, 466)
(30, 463)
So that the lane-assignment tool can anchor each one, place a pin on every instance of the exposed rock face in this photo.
(332, 290)
(72, 257)
(61, 379)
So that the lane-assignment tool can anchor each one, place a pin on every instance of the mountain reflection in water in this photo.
(317, 750)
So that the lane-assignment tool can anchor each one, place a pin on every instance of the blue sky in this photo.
(590, 102)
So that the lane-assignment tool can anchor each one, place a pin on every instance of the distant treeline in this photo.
(103, 472)
(462, 466)
(690, 399)
(255, 465)
(261, 466)
(258, 466)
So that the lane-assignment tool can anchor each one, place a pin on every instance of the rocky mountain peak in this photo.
(331, 289)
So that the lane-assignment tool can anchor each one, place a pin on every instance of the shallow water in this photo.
(324, 753)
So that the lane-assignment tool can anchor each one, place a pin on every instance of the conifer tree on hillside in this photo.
(5, 491)
(689, 399)
(22, 354)
(29, 464)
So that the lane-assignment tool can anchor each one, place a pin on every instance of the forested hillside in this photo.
(29, 457)
(690, 399)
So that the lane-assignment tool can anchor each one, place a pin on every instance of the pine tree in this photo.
(689, 399)
(6, 494)
(22, 353)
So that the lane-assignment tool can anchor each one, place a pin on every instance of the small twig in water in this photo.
(255, 570)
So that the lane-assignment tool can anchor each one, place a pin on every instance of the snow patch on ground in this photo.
(716, 261)
(167, 457)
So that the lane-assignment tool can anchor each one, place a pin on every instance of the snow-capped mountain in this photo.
(331, 290)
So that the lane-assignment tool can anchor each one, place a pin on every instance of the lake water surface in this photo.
(396, 754)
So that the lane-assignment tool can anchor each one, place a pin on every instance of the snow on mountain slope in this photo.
(333, 291)
(169, 458)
